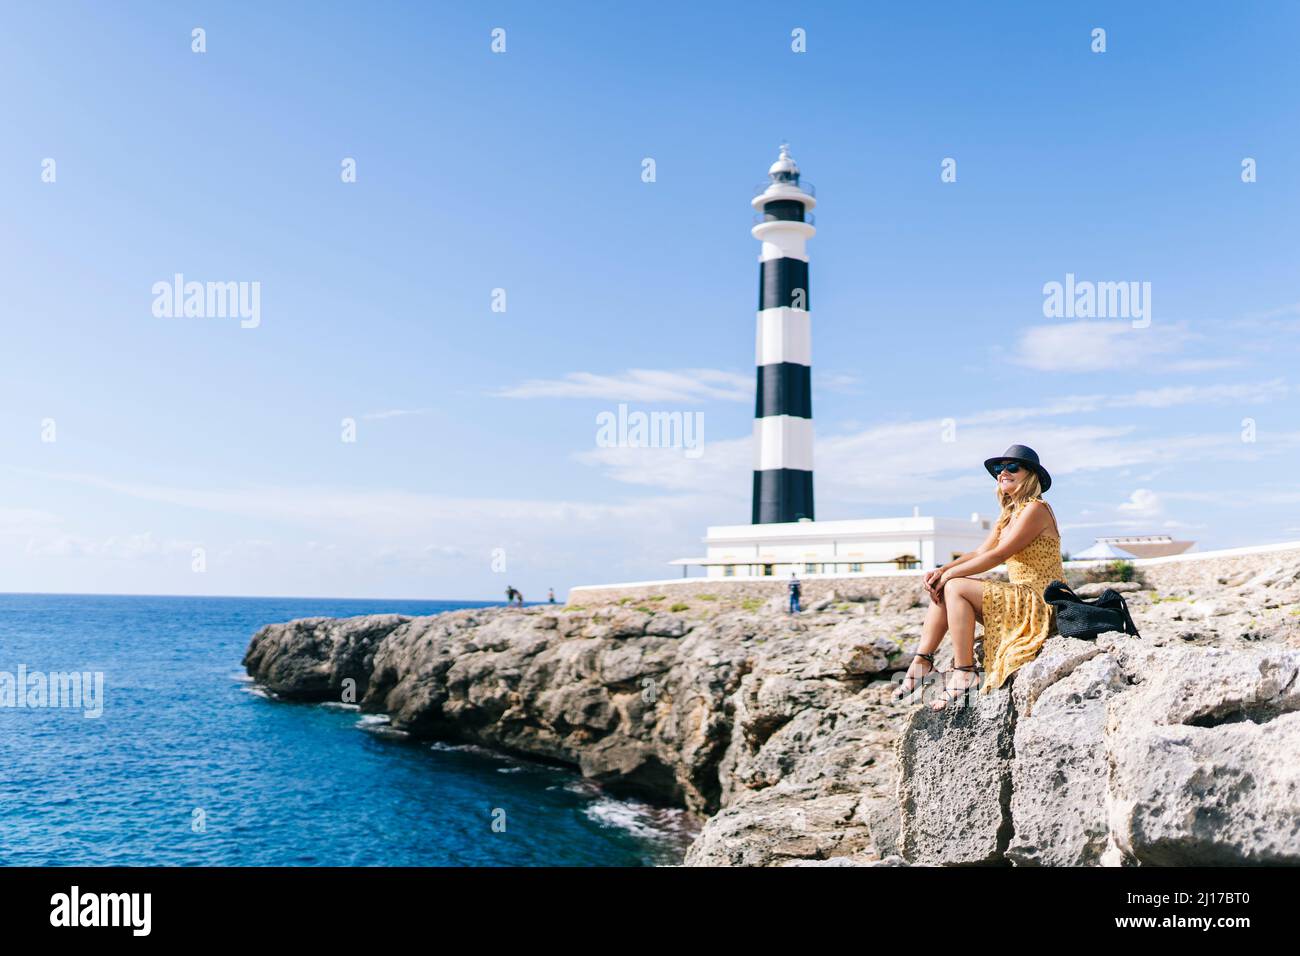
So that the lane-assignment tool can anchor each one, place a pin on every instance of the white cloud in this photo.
(132, 547)
(1111, 346)
(905, 463)
(1174, 395)
(396, 413)
(834, 382)
(314, 540)
(1143, 503)
(725, 464)
(642, 385)
(21, 521)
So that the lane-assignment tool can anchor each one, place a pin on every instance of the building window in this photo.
(767, 570)
(810, 569)
(729, 571)
(855, 568)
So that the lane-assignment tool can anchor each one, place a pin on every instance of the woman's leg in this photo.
(933, 628)
(964, 599)
(932, 631)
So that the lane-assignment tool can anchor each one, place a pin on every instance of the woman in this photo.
(1016, 619)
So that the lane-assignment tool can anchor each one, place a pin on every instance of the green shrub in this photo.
(708, 597)
(1106, 573)
(679, 606)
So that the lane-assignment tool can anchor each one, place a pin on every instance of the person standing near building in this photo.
(794, 593)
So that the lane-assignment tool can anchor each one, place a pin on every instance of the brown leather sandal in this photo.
(927, 678)
(959, 699)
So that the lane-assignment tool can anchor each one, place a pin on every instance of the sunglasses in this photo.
(1011, 467)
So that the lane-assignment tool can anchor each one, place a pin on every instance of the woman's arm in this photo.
(932, 576)
(989, 543)
(1015, 538)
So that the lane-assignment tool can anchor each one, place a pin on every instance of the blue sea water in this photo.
(190, 764)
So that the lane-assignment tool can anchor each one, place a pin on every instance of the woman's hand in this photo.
(934, 584)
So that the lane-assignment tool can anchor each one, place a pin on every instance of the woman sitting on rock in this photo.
(1016, 619)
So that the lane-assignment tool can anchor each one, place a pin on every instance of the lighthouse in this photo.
(784, 537)
(783, 433)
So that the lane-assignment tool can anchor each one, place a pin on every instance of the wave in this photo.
(670, 827)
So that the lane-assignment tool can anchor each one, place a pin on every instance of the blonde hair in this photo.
(1012, 503)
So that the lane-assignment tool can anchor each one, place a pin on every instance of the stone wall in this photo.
(1172, 576)
(734, 591)
(1211, 571)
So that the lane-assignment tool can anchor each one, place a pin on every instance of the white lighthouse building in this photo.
(783, 433)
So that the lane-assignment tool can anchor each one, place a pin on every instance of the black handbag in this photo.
(1076, 617)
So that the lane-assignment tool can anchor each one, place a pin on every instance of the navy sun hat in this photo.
(1027, 457)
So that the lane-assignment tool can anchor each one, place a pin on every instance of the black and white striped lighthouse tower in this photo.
(783, 433)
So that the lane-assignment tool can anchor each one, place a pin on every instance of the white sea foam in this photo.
(583, 788)
(642, 820)
(465, 749)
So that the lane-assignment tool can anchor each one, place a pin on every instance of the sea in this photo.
(181, 760)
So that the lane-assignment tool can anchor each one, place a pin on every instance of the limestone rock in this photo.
(1059, 776)
(1095, 589)
(1203, 755)
(954, 785)
(1175, 748)
(310, 659)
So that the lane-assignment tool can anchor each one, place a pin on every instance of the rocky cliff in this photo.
(1178, 747)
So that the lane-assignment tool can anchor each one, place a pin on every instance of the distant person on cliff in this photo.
(511, 594)
(794, 593)
(550, 596)
(1016, 618)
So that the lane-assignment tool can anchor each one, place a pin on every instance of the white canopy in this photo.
(1101, 549)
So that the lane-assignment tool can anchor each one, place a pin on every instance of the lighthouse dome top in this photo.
(783, 184)
(784, 170)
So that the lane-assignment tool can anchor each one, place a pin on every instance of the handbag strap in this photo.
(1129, 626)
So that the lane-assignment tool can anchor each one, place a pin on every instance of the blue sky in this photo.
(476, 429)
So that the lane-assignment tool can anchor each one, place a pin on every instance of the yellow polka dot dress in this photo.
(1016, 618)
